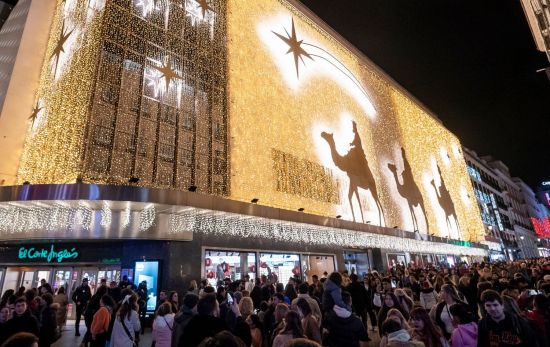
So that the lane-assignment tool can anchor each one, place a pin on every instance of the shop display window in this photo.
(416, 260)
(358, 263)
(395, 259)
(234, 265)
(317, 265)
(283, 265)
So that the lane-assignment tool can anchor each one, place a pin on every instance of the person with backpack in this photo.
(501, 329)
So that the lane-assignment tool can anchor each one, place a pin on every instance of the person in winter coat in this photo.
(309, 321)
(359, 297)
(163, 325)
(292, 330)
(303, 290)
(61, 299)
(441, 314)
(398, 317)
(344, 328)
(332, 294)
(101, 321)
(206, 323)
(187, 311)
(397, 336)
(47, 321)
(465, 334)
(80, 297)
(126, 323)
(428, 296)
(22, 320)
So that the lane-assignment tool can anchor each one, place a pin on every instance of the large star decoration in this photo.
(203, 4)
(35, 111)
(63, 36)
(294, 46)
(168, 73)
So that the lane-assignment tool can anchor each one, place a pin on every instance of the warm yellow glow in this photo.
(301, 105)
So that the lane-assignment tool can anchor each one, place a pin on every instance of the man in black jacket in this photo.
(359, 298)
(80, 297)
(187, 311)
(22, 320)
(344, 328)
(205, 324)
(502, 329)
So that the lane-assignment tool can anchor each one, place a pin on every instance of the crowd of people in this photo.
(499, 304)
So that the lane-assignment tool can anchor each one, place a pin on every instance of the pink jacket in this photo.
(162, 330)
(465, 335)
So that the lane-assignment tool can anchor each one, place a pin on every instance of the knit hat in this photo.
(190, 300)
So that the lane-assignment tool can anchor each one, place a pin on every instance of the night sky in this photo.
(473, 63)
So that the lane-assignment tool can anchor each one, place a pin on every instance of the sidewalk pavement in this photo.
(69, 340)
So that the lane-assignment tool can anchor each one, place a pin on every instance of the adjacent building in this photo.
(499, 235)
(170, 141)
(507, 207)
(538, 17)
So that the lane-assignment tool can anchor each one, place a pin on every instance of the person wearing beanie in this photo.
(187, 311)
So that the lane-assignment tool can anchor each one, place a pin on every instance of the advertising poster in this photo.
(147, 273)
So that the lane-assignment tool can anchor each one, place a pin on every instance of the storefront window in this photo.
(317, 265)
(395, 259)
(427, 259)
(283, 265)
(234, 265)
(416, 259)
(357, 263)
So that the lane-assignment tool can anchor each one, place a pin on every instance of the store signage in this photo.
(546, 183)
(48, 254)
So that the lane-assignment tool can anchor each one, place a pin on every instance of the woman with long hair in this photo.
(390, 301)
(163, 325)
(173, 299)
(310, 324)
(441, 314)
(424, 330)
(126, 324)
(101, 321)
(292, 330)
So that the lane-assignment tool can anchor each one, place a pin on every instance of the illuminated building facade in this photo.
(491, 202)
(539, 216)
(224, 138)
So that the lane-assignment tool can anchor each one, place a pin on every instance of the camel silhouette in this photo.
(354, 163)
(409, 190)
(446, 202)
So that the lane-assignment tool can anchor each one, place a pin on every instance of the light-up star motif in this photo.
(63, 36)
(36, 110)
(167, 72)
(294, 46)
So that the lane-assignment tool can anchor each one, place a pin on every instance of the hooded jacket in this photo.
(428, 298)
(465, 335)
(344, 328)
(401, 338)
(332, 295)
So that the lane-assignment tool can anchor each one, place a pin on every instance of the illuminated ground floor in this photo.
(64, 233)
